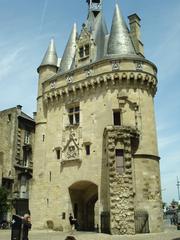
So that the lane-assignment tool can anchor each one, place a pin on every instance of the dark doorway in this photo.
(84, 196)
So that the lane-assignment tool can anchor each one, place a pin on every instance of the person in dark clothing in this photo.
(26, 226)
(72, 221)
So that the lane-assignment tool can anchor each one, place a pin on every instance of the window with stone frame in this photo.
(74, 115)
(84, 51)
(58, 153)
(117, 117)
(88, 149)
(120, 161)
(27, 135)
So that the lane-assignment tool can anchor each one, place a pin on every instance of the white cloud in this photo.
(7, 63)
(43, 15)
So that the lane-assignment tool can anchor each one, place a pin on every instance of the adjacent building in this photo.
(16, 141)
(95, 152)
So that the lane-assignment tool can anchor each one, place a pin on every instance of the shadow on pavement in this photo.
(73, 238)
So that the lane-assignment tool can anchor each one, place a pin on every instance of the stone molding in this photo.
(133, 79)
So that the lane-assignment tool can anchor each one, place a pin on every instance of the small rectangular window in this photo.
(87, 50)
(81, 52)
(9, 117)
(58, 153)
(87, 150)
(27, 137)
(50, 176)
(117, 118)
(120, 161)
(63, 215)
(43, 137)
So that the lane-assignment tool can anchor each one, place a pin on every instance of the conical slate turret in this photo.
(100, 31)
(69, 52)
(119, 40)
(50, 57)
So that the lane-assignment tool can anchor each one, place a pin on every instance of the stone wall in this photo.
(121, 186)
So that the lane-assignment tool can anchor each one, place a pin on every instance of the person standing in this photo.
(72, 221)
(26, 221)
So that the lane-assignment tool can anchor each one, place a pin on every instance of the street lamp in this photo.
(178, 188)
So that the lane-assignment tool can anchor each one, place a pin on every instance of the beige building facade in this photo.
(95, 152)
(16, 149)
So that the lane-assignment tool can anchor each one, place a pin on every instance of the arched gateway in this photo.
(83, 199)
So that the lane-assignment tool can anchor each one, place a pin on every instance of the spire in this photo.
(99, 33)
(69, 52)
(119, 40)
(50, 57)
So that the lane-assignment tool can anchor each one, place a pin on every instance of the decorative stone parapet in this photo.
(132, 73)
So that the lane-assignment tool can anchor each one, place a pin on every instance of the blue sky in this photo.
(27, 26)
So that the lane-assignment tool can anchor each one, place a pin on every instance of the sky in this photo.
(26, 28)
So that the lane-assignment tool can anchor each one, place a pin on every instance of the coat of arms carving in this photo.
(70, 151)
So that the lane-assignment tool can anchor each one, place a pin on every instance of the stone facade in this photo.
(16, 143)
(96, 150)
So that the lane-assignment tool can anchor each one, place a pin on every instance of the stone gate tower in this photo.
(96, 150)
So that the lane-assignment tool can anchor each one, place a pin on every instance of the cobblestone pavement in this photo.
(170, 233)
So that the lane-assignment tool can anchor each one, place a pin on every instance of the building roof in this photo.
(119, 40)
(50, 57)
(69, 52)
(25, 116)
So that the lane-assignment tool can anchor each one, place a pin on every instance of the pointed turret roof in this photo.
(69, 52)
(100, 31)
(50, 57)
(119, 40)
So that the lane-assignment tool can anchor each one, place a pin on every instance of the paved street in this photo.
(170, 233)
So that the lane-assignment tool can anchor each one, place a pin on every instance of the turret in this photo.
(48, 66)
(120, 42)
(69, 52)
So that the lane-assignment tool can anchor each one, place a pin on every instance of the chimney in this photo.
(34, 115)
(134, 22)
(19, 108)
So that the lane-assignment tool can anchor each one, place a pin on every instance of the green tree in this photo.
(4, 206)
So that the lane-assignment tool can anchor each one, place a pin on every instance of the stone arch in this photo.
(83, 197)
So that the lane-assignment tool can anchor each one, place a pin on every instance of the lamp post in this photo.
(178, 188)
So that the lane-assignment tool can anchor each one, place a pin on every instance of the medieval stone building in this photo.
(96, 150)
(16, 143)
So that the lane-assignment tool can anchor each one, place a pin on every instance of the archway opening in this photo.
(84, 196)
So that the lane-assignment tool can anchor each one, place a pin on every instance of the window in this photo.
(117, 118)
(84, 51)
(9, 117)
(73, 114)
(43, 137)
(58, 153)
(88, 152)
(27, 156)
(120, 161)
(27, 137)
(81, 52)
